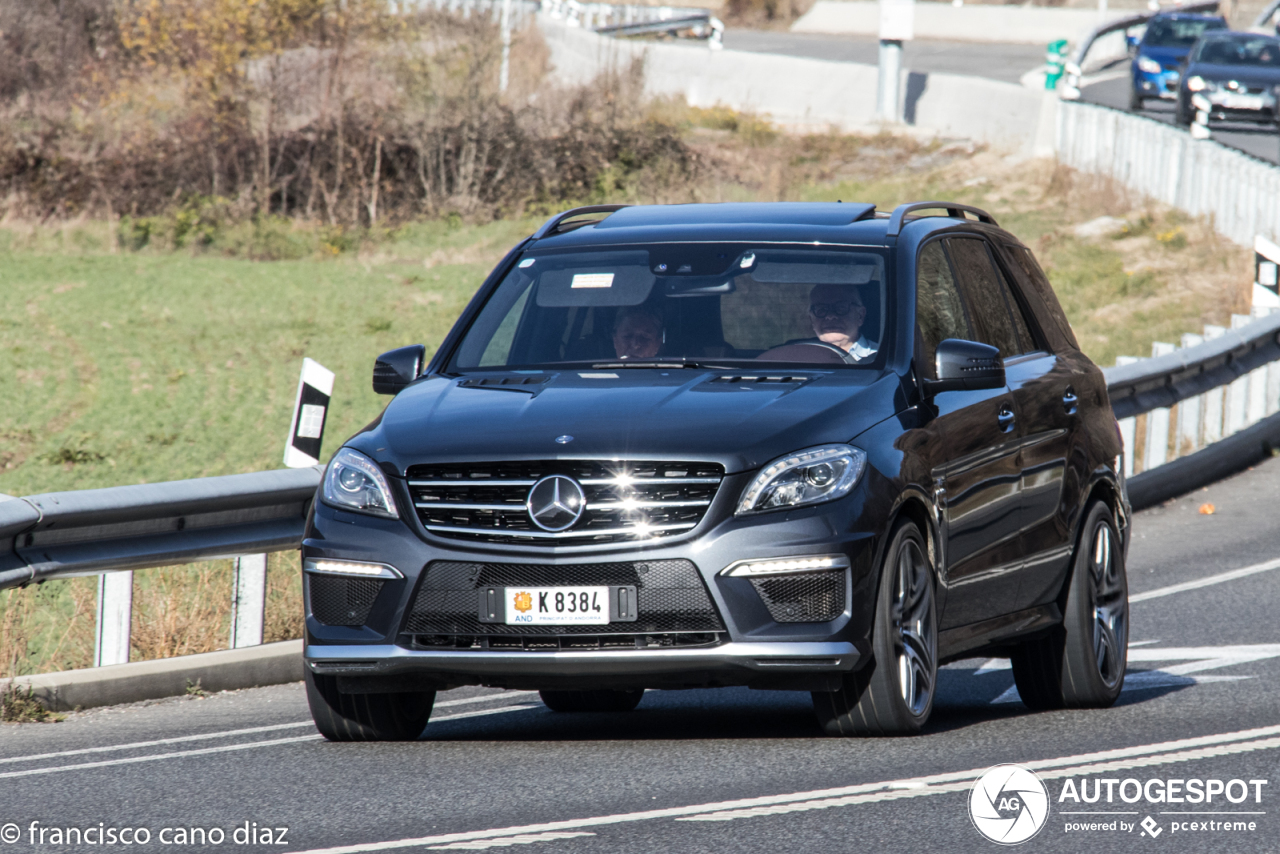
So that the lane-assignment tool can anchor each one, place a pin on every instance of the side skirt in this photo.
(965, 641)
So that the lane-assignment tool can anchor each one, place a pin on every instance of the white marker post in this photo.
(115, 614)
(306, 431)
(897, 24)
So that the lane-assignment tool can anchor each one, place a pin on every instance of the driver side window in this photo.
(940, 312)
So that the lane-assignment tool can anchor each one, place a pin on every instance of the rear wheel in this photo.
(1082, 664)
(893, 695)
(1135, 101)
(591, 701)
(366, 717)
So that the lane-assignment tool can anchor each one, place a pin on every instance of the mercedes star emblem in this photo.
(556, 502)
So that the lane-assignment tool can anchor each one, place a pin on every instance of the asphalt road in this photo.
(719, 771)
(1261, 142)
(1007, 62)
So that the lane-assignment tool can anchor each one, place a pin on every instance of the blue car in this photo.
(1159, 56)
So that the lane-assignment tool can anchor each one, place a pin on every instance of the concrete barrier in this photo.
(225, 670)
(1018, 24)
(814, 94)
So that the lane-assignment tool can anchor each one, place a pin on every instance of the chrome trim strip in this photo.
(449, 505)
(647, 505)
(476, 482)
(601, 532)
(645, 481)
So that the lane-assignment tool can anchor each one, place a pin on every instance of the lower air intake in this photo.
(814, 597)
(337, 601)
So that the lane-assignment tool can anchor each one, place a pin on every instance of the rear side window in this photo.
(985, 291)
(940, 312)
(1037, 282)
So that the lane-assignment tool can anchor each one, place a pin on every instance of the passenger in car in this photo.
(637, 333)
(837, 313)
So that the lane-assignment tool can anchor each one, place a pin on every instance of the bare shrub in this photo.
(181, 610)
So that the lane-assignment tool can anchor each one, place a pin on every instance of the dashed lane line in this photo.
(1243, 572)
(230, 733)
(1182, 750)
(226, 748)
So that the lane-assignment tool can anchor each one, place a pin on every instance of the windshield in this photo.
(700, 303)
(1255, 50)
(1169, 33)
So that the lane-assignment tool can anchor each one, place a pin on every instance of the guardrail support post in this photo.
(1156, 452)
(249, 602)
(115, 618)
(1236, 416)
(1187, 438)
(1213, 398)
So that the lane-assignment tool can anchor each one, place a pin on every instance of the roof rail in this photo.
(896, 219)
(553, 225)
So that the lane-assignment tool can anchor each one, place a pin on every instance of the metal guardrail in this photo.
(632, 20)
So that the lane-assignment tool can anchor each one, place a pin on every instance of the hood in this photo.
(1250, 75)
(1166, 56)
(734, 418)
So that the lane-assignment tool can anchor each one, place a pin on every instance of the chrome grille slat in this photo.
(625, 500)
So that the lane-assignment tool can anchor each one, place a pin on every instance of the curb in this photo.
(224, 670)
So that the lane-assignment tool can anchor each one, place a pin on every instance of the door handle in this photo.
(1070, 402)
(1005, 418)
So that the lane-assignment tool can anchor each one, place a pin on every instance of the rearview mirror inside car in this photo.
(395, 369)
(965, 366)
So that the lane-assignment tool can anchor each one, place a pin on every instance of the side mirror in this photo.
(965, 366)
(1131, 42)
(395, 369)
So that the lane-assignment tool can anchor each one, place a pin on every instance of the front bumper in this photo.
(1163, 85)
(797, 665)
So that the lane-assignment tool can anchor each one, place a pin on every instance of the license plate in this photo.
(557, 606)
(1242, 102)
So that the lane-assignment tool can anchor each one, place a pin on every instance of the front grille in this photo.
(624, 500)
(814, 597)
(337, 601)
(671, 599)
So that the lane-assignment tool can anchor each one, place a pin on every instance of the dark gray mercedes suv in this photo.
(794, 446)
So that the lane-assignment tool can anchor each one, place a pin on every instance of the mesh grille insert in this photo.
(343, 601)
(624, 500)
(814, 597)
(671, 597)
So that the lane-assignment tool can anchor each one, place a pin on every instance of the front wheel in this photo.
(1135, 101)
(366, 717)
(1082, 664)
(893, 695)
(591, 701)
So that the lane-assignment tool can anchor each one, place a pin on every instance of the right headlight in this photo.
(1195, 83)
(1148, 65)
(811, 476)
(354, 482)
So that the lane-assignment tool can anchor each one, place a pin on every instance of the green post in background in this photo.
(1055, 60)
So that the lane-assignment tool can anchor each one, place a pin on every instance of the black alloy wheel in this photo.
(893, 695)
(366, 717)
(592, 701)
(1082, 664)
(1135, 101)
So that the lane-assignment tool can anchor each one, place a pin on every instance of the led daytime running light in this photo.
(786, 565)
(343, 567)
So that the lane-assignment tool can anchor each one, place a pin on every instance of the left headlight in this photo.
(354, 482)
(1148, 65)
(811, 476)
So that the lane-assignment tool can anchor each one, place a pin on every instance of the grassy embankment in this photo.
(125, 366)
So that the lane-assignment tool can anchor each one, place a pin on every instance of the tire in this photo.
(1135, 101)
(592, 701)
(366, 717)
(1081, 665)
(893, 694)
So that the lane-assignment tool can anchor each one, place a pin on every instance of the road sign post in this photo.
(897, 24)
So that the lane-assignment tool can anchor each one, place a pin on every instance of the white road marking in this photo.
(248, 745)
(504, 841)
(1182, 750)
(130, 760)
(1243, 572)
(181, 739)
(1202, 658)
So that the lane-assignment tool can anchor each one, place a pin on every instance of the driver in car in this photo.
(837, 314)
(637, 333)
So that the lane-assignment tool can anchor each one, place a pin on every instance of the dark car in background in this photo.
(1231, 77)
(1158, 56)
(798, 446)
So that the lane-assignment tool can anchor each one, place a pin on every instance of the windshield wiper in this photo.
(657, 363)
